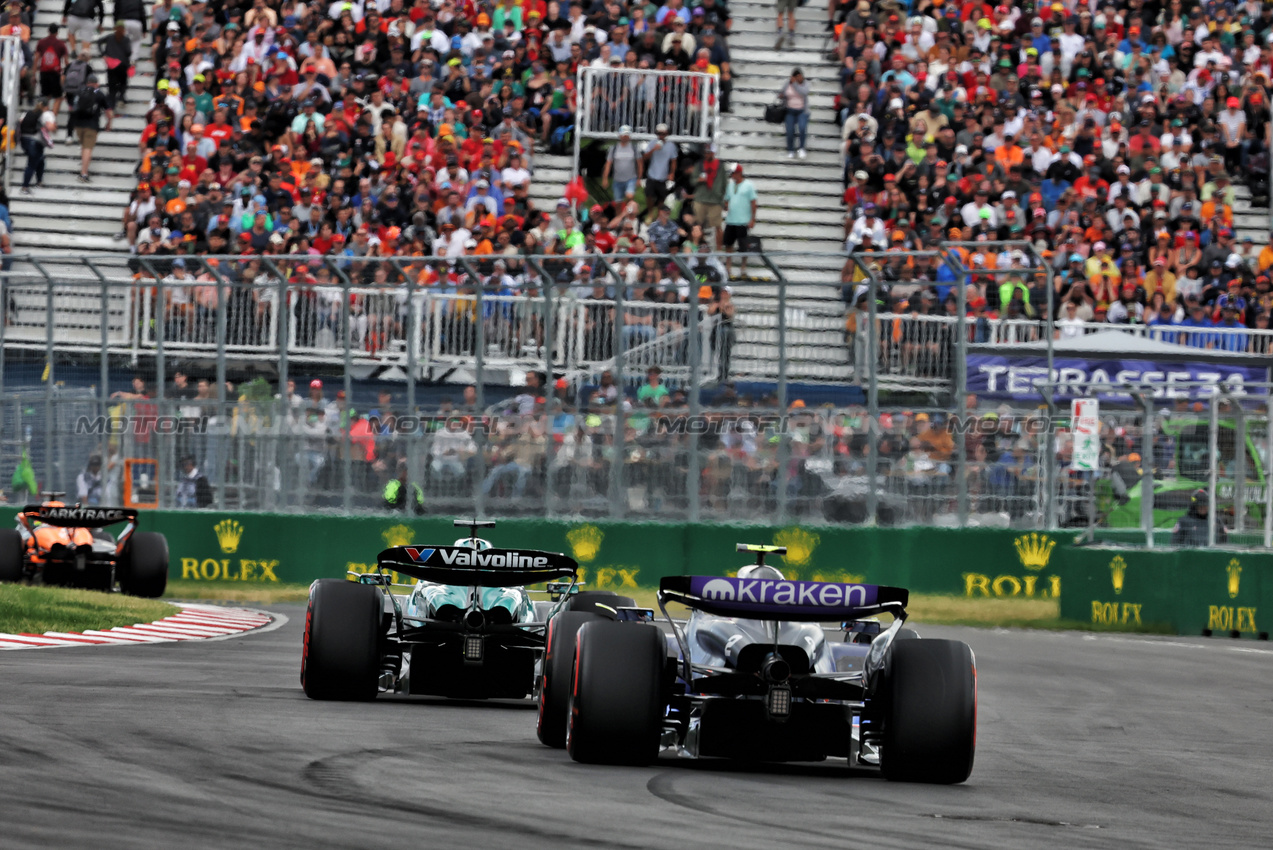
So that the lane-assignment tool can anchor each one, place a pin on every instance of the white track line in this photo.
(195, 622)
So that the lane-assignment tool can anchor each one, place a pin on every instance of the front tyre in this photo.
(616, 702)
(144, 568)
(929, 695)
(340, 657)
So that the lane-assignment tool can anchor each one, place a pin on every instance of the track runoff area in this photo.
(1082, 740)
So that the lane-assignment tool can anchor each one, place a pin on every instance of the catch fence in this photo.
(770, 410)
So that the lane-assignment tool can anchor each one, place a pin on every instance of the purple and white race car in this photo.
(752, 675)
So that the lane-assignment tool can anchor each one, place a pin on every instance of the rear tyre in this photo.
(12, 562)
(144, 568)
(558, 667)
(340, 656)
(929, 691)
(603, 602)
(616, 702)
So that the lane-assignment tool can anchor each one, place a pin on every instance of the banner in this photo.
(1085, 415)
(999, 376)
(1186, 591)
(977, 563)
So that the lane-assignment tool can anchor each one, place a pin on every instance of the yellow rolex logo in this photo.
(1235, 574)
(1117, 568)
(800, 545)
(228, 532)
(1034, 549)
(398, 535)
(585, 542)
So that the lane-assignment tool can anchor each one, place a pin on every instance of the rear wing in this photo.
(459, 565)
(79, 517)
(772, 599)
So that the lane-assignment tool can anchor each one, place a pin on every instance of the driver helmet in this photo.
(472, 543)
(761, 571)
(1199, 500)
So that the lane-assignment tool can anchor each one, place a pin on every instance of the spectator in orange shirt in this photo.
(178, 205)
(1009, 154)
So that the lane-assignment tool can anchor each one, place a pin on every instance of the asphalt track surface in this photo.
(1083, 741)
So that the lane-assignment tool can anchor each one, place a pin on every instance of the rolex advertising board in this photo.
(295, 548)
(1186, 591)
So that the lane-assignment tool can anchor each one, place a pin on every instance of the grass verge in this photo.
(36, 610)
(234, 591)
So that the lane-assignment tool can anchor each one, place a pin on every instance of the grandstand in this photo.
(397, 297)
(69, 216)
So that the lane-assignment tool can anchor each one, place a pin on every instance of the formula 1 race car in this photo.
(57, 544)
(750, 675)
(468, 628)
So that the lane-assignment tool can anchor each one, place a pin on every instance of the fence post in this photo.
(1239, 469)
(1049, 515)
(694, 471)
(347, 336)
(415, 469)
(104, 363)
(1268, 485)
(159, 317)
(618, 491)
(548, 341)
(224, 291)
(479, 343)
(49, 374)
(284, 314)
(872, 394)
(1147, 469)
(550, 395)
(962, 274)
(1214, 454)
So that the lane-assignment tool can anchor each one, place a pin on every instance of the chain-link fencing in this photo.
(658, 388)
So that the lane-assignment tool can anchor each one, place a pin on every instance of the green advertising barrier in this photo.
(1191, 592)
(977, 563)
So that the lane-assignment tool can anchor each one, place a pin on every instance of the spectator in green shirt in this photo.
(572, 236)
(740, 217)
(653, 388)
(202, 97)
(1012, 288)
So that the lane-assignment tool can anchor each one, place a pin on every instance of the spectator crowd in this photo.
(357, 131)
(1109, 135)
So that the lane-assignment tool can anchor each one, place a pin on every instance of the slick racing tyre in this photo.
(554, 686)
(340, 656)
(929, 695)
(603, 602)
(12, 562)
(144, 567)
(616, 702)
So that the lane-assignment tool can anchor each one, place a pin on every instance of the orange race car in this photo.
(60, 544)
